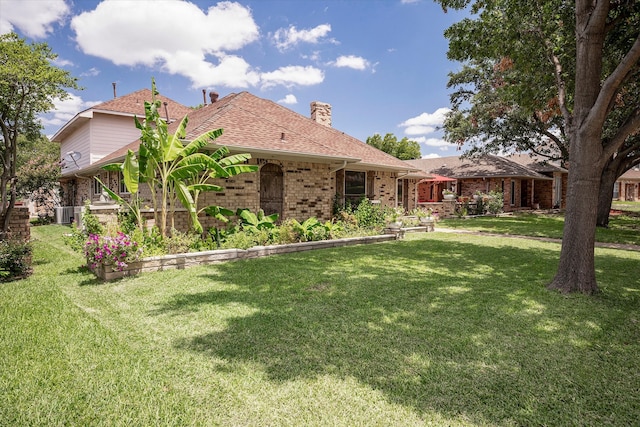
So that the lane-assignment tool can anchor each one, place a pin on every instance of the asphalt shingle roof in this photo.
(255, 124)
(477, 167)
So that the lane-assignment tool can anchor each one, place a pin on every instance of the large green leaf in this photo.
(172, 144)
(218, 213)
(185, 172)
(205, 187)
(188, 203)
(238, 169)
(131, 172)
(235, 159)
(113, 167)
(200, 141)
(219, 153)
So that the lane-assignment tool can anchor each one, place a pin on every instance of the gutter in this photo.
(344, 164)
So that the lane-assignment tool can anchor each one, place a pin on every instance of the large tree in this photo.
(29, 84)
(563, 75)
(405, 149)
(502, 105)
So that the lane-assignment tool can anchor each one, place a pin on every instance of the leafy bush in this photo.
(495, 202)
(78, 236)
(366, 215)
(15, 260)
(239, 240)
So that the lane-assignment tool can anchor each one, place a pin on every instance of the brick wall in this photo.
(19, 227)
(309, 191)
(543, 194)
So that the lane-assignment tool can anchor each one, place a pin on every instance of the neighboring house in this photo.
(305, 165)
(627, 187)
(525, 182)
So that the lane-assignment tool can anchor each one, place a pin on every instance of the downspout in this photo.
(344, 163)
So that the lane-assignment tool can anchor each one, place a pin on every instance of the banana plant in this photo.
(256, 221)
(305, 229)
(175, 171)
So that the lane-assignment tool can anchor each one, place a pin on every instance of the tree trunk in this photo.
(576, 270)
(605, 195)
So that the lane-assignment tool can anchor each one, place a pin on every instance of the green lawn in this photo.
(626, 206)
(623, 228)
(438, 329)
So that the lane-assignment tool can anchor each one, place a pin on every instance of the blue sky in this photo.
(381, 64)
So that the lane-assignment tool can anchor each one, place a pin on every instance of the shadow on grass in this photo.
(453, 327)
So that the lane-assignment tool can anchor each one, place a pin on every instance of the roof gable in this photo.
(133, 104)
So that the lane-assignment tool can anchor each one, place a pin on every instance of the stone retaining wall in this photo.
(186, 260)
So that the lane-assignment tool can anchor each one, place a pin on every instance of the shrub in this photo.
(15, 260)
(495, 202)
(178, 242)
(90, 225)
(366, 215)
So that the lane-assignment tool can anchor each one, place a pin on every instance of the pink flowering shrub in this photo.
(117, 251)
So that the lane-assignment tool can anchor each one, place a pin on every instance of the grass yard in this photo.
(438, 329)
(623, 228)
(626, 206)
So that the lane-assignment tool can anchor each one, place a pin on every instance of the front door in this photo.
(271, 189)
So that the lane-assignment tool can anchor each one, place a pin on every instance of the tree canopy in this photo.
(506, 98)
(29, 84)
(37, 164)
(558, 78)
(404, 149)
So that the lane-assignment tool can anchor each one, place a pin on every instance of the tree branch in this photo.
(629, 127)
(613, 82)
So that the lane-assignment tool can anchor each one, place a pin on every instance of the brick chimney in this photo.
(321, 113)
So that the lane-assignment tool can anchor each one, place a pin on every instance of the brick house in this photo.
(305, 164)
(524, 181)
(627, 187)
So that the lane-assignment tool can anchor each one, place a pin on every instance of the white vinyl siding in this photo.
(110, 133)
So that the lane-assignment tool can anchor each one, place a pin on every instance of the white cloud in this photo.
(431, 156)
(286, 38)
(292, 75)
(59, 62)
(419, 130)
(409, 1)
(178, 37)
(91, 72)
(35, 18)
(65, 110)
(315, 56)
(434, 142)
(352, 61)
(427, 119)
(288, 100)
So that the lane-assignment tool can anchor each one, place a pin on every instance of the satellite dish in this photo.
(72, 156)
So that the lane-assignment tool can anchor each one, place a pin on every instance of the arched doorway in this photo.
(271, 189)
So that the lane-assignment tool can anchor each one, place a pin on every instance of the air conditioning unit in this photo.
(64, 214)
